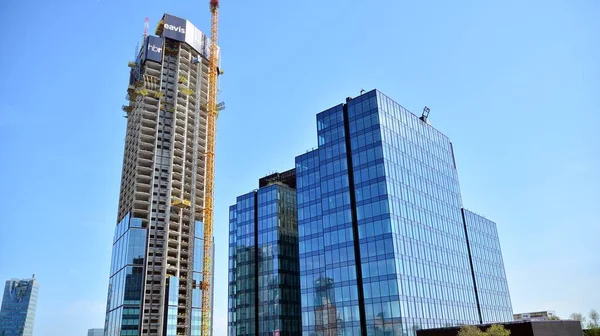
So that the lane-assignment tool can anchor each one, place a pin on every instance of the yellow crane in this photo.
(213, 72)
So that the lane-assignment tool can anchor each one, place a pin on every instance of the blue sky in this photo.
(514, 84)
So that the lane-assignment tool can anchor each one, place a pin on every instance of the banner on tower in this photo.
(174, 27)
(153, 49)
(183, 30)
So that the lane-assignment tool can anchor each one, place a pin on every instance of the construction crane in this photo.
(213, 72)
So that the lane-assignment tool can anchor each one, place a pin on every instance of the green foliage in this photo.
(495, 330)
(594, 317)
(554, 318)
(577, 317)
(470, 330)
(593, 327)
(592, 332)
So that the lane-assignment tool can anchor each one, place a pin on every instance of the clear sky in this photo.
(515, 85)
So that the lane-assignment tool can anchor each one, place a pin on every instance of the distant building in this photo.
(264, 271)
(18, 307)
(96, 332)
(535, 316)
(520, 328)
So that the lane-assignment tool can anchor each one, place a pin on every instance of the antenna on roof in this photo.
(425, 114)
(146, 22)
(137, 46)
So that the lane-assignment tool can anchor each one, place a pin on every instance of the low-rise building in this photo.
(519, 328)
(535, 316)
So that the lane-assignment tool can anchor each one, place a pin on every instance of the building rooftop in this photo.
(287, 177)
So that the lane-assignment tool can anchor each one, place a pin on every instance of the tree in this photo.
(577, 317)
(592, 332)
(495, 330)
(593, 329)
(469, 330)
(594, 317)
(554, 318)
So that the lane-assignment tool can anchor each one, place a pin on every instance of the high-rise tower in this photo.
(18, 307)
(156, 269)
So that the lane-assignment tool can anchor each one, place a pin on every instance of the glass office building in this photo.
(18, 307)
(264, 280)
(95, 332)
(488, 268)
(383, 242)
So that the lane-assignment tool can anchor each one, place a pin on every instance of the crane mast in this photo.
(210, 168)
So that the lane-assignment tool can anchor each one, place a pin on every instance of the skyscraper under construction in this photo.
(156, 267)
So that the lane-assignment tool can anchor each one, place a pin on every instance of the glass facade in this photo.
(125, 285)
(436, 286)
(242, 267)
(383, 246)
(172, 298)
(488, 268)
(19, 303)
(264, 295)
(329, 267)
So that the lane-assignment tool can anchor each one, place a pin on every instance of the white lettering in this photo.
(153, 48)
(175, 28)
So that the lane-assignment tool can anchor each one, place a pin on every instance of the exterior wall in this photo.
(163, 162)
(232, 289)
(328, 263)
(124, 302)
(242, 281)
(264, 296)
(488, 269)
(432, 261)
(383, 247)
(278, 265)
(555, 328)
(19, 303)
